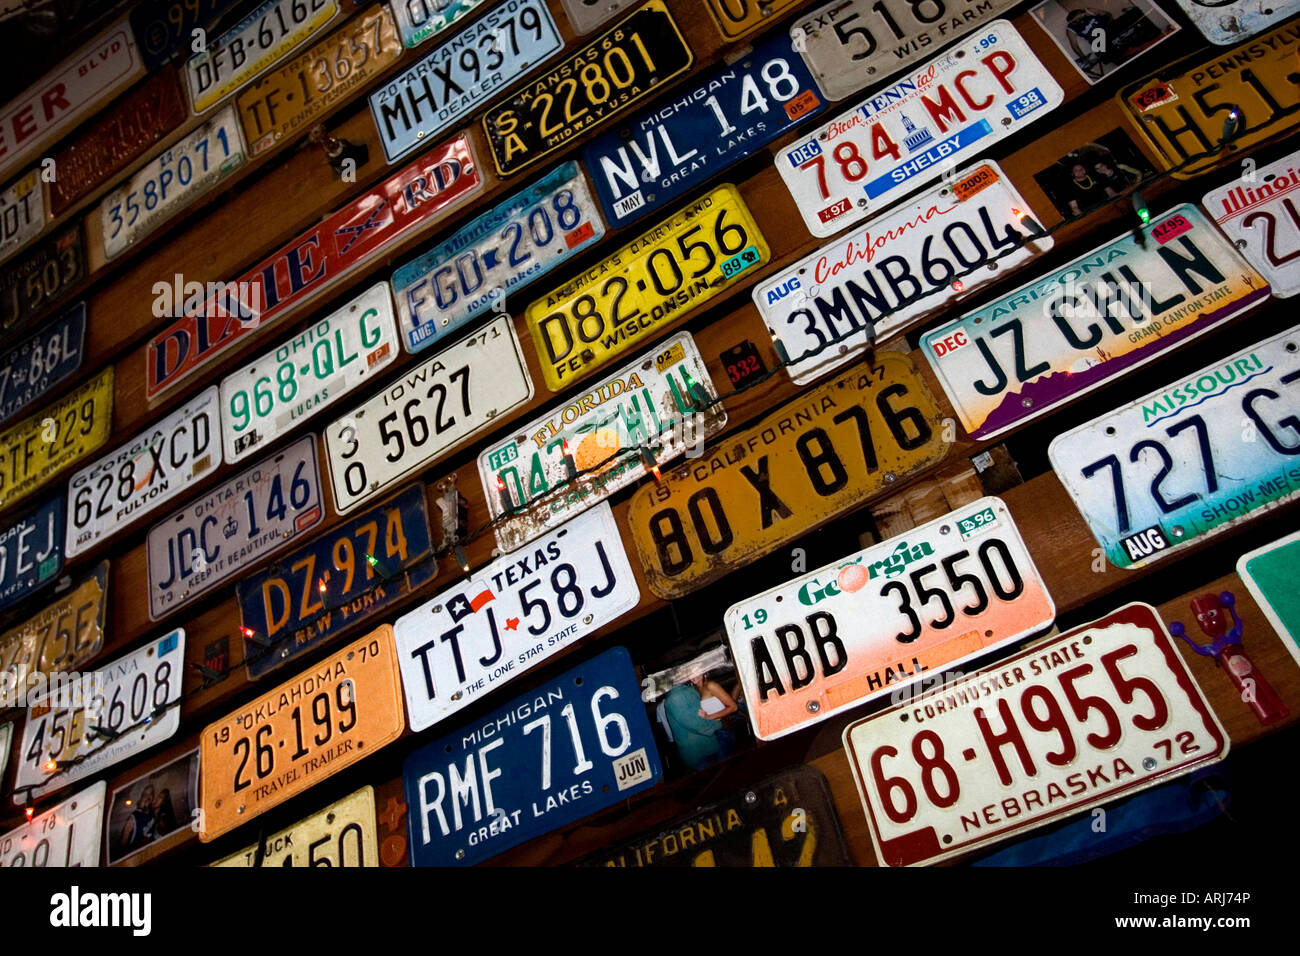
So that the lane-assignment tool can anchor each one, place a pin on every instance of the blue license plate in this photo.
(35, 366)
(31, 551)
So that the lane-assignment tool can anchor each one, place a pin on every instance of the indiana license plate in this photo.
(22, 214)
(739, 18)
(31, 551)
(343, 834)
(1269, 575)
(1098, 713)
(1260, 215)
(1074, 329)
(163, 27)
(585, 15)
(1228, 21)
(982, 90)
(65, 835)
(418, 20)
(33, 283)
(30, 369)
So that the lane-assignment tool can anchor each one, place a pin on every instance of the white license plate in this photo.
(902, 137)
(22, 214)
(417, 20)
(66, 835)
(1226, 22)
(515, 613)
(428, 411)
(343, 834)
(1260, 212)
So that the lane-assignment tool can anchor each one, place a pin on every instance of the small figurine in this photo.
(344, 157)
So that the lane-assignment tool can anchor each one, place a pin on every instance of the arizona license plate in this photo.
(1228, 21)
(1269, 575)
(1100, 712)
(1074, 329)
(343, 834)
(843, 443)
(1260, 215)
(65, 835)
(901, 138)
(739, 18)
(585, 15)
(573, 746)
(32, 284)
(31, 551)
(30, 369)
(162, 27)
(418, 20)
(22, 214)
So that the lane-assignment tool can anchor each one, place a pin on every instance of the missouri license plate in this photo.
(31, 551)
(1269, 575)
(739, 18)
(35, 282)
(22, 213)
(30, 369)
(1262, 216)
(343, 834)
(1227, 21)
(1098, 713)
(418, 20)
(65, 835)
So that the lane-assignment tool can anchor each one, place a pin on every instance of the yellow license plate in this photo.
(739, 18)
(343, 834)
(307, 729)
(831, 448)
(64, 636)
(646, 287)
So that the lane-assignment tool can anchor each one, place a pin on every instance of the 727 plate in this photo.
(22, 213)
(343, 834)
(31, 551)
(1260, 215)
(65, 835)
(32, 368)
(1269, 574)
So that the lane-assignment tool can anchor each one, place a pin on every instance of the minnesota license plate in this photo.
(573, 746)
(418, 20)
(1269, 575)
(739, 18)
(982, 90)
(1093, 715)
(1228, 21)
(66, 835)
(163, 27)
(585, 15)
(22, 214)
(31, 551)
(1072, 330)
(843, 443)
(1260, 215)
(32, 284)
(31, 368)
(343, 834)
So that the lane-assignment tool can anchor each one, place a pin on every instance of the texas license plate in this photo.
(33, 283)
(417, 20)
(343, 834)
(841, 444)
(65, 835)
(1227, 21)
(32, 368)
(902, 137)
(31, 551)
(573, 746)
(585, 15)
(1269, 574)
(1260, 215)
(1074, 329)
(1093, 715)
(163, 27)
(739, 18)
(22, 214)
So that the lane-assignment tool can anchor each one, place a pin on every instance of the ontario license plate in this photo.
(573, 746)
(1269, 575)
(31, 551)
(30, 369)
(1095, 714)
(1260, 215)
(585, 15)
(901, 138)
(34, 283)
(739, 18)
(1228, 21)
(162, 27)
(418, 20)
(841, 444)
(343, 834)
(65, 835)
(22, 214)
(1109, 311)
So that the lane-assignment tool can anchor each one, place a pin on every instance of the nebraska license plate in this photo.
(739, 18)
(1227, 21)
(343, 834)
(32, 368)
(31, 551)
(1269, 575)
(65, 835)
(1095, 714)
(33, 283)
(418, 20)
(22, 213)
(1260, 215)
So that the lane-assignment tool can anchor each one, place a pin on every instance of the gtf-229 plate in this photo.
(1260, 214)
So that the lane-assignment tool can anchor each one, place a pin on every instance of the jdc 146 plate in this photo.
(1260, 214)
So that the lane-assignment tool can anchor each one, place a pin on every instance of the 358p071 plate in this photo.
(22, 213)
(1269, 575)
(65, 835)
(1228, 21)
(1262, 217)
(418, 20)
(343, 834)
(31, 551)
(32, 368)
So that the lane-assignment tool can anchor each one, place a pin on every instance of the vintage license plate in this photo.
(842, 443)
(630, 60)
(1260, 215)
(22, 213)
(1269, 575)
(879, 280)
(903, 137)
(32, 284)
(343, 834)
(66, 835)
(435, 406)
(585, 15)
(739, 18)
(1228, 21)
(31, 551)
(498, 254)
(31, 368)
(1098, 713)
(869, 624)
(418, 20)
(1074, 329)
(305, 731)
(163, 27)
(573, 746)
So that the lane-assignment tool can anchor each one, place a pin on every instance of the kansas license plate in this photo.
(585, 15)
(418, 20)
(1074, 329)
(163, 27)
(35, 282)
(31, 551)
(739, 18)
(573, 746)
(1228, 21)
(66, 835)
(22, 214)
(1260, 215)
(343, 834)
(1269, 574)
(1093, 715)
(30, 369)
(982, 90)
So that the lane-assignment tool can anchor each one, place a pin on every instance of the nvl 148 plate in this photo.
(1259, 213)
(31, 551)
(32, 368)
(34, 283)
(1269, 574)
(418, 20)
(65, 835)
(343, 834)
(22, 213)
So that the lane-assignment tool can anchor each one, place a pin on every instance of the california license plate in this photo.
(1269, 575)
(1260, 215)
(343, 834)
(1098, 713)
(32, 284)
(30, 369)
(739, 18)
(418, 20)
(1228, 21)
(1074, 329)
(65, 835)
(22, 214)
(31, 551)
(901, 138)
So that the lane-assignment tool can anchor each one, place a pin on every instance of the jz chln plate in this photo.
(343, 834)
(1269, 574)
(65, 835)
(1096, 714)
(22, 213)
(418, 20)
(1190, 460)
(31, 551)
(34, 367)
(568, 748)
(1224, 22)
(1258, 211)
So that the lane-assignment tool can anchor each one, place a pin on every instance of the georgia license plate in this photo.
(573, 746)
(739, 18)
(32, 284)
(585, 15)
(30, 369)
(1074, 329)
(1269, 575)
(343, 834)
(841, 444)
(418, 20)
(66, 835)
(498, 254)
(901, 138)
(882, 278)
(61, 638)
(1100, 712)
(1227, 21)
(516, 612)
(1260, 215)
(31, 551)
(22, 214)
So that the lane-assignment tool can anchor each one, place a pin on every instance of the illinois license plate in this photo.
(839, 445)
(30, 369)
(739, 18)
(1269, 574)
(22, 214)
(1228, 21)
(418, 20)
(36, 281)
(31, 551)
(65, 835)
(585, 15)
(1260, 215)
(343, 834)
(1093, 715)
(982, 90)
(1109, 311)
(573, 746)
(162, 27)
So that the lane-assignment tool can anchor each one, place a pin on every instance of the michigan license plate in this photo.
(418, 20)
(22, 214)
(32, 284)
(1227, 21)
(32, 368)
(739, 18)
(1260, 214)
(31, 551)
(1269, 574)
(66, 835)
(343, 834)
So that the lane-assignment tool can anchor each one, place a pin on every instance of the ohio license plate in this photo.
(843, 443)
(1269, 574)
(1093, 715)
(65, 835)
(31, 551)
(1228, 21)
(1260, 215)
(573, 746)
(901, 138)
(31, 368)
(1074, 329)
(32, 284)
(162, 27)
(739, 18)
(22, 214)
(343, 834)
(585, 15)
(418, 20)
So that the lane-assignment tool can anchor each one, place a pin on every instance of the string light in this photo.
(371, 560)
(321, 587)
(648, 459)
(782, 355)
(1231, 124)
(569, 464)
(1140, 207)
(51, 765)
(31, 810)
(461, 559)
(507, 502)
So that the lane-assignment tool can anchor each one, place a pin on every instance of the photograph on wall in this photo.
(154, 808)
(1100, 36)
(1093, 174)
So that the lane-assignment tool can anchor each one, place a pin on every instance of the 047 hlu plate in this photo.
(1260, 214)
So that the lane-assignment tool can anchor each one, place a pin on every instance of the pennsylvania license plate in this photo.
(1074, 329)
(1260, 215)
(843, 443)
(563, 751)
(1269, 575)
(31, 551)
(1227, 21)
(343, 834)
(417, 20)
(901, 138)
(22, 214)
(1096, 714)
(33, 283)
(739, 18)
(32, 368)
(66, 835)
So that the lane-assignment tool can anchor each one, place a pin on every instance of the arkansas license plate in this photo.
(739, 18)
(31, 551)
(1228, 21)
(1261, 216)
(22, 214)
(1269, 574)
(901, 138)
(66, 835)
(1074, 329)
(343, 834)
(418, 20)
(34, 283)
(1093, 715)
(515, 613)
(30, 369)
(565, 750)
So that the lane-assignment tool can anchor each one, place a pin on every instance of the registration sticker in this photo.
(343, 834)
(1269, 574)
(65, 835)
(1261, 214)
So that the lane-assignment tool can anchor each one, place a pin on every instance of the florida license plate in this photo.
(1269, 575)
(22, 213)
(418, 20)
(31, 551)
(65, 835)
(1261, 216)
(1227, 21)
(343, 834)
(30, 369)
(33, 283)
(739, 18)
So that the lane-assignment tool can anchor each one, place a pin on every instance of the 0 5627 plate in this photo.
(1260, 215)
(1100, 712)
(31, 551)
(65, 835)
(1227, 21)
(343, 834)
(33, 367)
(1269, 575)
(34, 283)
(418, 20)
(740, 18)
(22, 213)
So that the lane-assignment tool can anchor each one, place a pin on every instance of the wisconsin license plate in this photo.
(1228, 21)
(739, 18)
(65, 835)
(1260, 215)
(1093, 715)
(1269, 575)
(32, 284)
(30, 369)
(418, 20)
(22, 214)
(343, 834)
(31, 551)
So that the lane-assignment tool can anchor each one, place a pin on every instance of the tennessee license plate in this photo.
(1260, 215)
(30, 369)
(1106, 312)
(982, 90)
(843, 443)
(31, 551)
(343, 834)
(22, 214)
(418, 20)
(33, 283)
(65, 835)
(739, 18)
(1228, 21)
(1269, 575)
(1091, 716)
(585, 15)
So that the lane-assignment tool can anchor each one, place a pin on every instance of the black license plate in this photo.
(31, 286)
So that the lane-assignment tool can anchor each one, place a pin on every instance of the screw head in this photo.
(460, 854)
(813, 707)
(751, 798)
(1148, 763)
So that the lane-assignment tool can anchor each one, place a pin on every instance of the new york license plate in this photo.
(31, 551)
(65, 835)
(34, 283)
(739, 18)
(343, 834)
(1269, 574)
(1260, 215)
(418, 20)
(22, 213)
(1228, 21)
(32, 368)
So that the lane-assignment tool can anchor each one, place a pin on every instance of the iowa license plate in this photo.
(418, 20)
(1228, 21)
(35, 282)
(1269, 575)
(22, 214)
(30, 369)
(739, 18)
(65, 835)
(31, 551)
(343, 834)
(1262, 216)
(1093, 715)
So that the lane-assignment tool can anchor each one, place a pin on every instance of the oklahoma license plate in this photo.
(418, 20)
(65, 835)
(22, 214)
(980, 91)
(343, 834)
(35, 282)
(31, 551)
(60, 638)
(1269, 575)
(1260, 215)
(739, 18)
(1074, 329)
(1227, 21)
(30, 369)
(1098, 713)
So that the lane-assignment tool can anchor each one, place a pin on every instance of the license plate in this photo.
(569, 748)
(585, 15)
(1269, 574)
(6, 738)
(1228, 21)
(731, 111)
(1093, 715)
(1260, 215)
(739, 18)
(31, 551)
(343, 834)
(426, 413)
(630, 60)
(982, 90)
(163, 27)
(31, 285)
(65, 835)
(418, 20)
(883, 278)
(29, 370)
(305, 731)
(1074, 329)
(843, 443)
(153, 811)
(22, 214)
